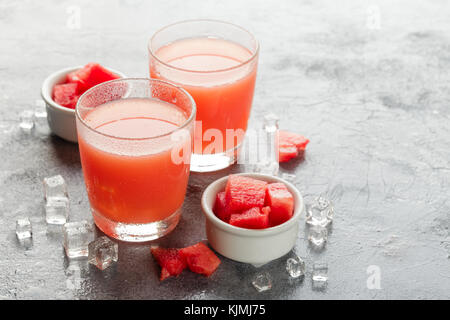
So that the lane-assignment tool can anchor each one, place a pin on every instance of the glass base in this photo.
(136, 232)
(213, 162)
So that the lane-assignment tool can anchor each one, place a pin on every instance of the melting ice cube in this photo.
(295, 267)
(57, 210)
(77, 236)
(268, 163)
(262, 282)
(103, 252)
(317, 236)
(320, 212)
(320, 275)
(26, 121)
(23, 229)
(55, 187)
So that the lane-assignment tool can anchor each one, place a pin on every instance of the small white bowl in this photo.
(252, 246)
(61, 120)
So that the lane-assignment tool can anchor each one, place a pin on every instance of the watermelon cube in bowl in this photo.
(281, 203)
(66, 94)
(91, 75)
(243, 193)
(243, 244)
(221, 207)
(254, 218)
(61, 118)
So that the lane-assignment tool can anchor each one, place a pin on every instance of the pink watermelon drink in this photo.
(224, 102)
(218, 71)
(135, 180)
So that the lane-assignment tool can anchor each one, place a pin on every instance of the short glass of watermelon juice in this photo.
(135, 139)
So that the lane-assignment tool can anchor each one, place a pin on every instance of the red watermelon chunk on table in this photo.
(254, 218)
(290, 144)
(172, 263)
(200, 259)
(293, 138)
(281, 203)
(66, 94)
(243, 193)
(287, 152)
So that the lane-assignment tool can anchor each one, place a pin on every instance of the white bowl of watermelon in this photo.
(61, 91)
(252, 218)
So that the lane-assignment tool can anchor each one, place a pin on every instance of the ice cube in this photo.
(320, 212)
(55, 187)
(26, 121)
(327, 206)
(295, 267)
(262, 282)
(266, 167)
(268, 163)
(317, 236)
(40, 118)
(320, 275)
(57, 210)
(77, 236)
(103, 252)
(40, 111)
(23, 229)
(271, 122)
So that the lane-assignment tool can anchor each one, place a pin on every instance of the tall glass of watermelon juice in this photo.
(216, 63)
(135, 140)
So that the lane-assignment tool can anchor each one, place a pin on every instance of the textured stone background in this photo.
(366, 81)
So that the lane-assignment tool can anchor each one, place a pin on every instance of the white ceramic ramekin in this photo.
(61, 120)
(246, 245)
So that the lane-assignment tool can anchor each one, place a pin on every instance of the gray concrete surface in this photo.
(366, 81)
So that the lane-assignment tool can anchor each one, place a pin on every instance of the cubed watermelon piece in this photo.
(287, 152)
(172, 263)
(100, 74)
(66, 94)
(293, 138)
(200, 259)
(243, 193)
(80, 77)
(221, 208)
(90, 75)
(290, 144)
(281, 203)
(254, 218)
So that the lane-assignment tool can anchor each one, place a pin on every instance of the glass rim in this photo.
(254, 54)
(149, 80)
